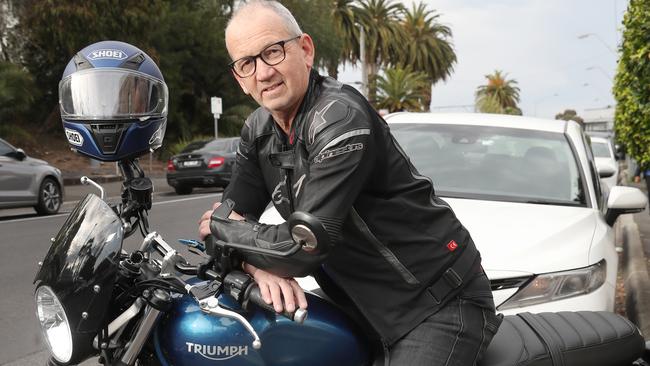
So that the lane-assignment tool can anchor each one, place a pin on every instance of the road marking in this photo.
(186, 199)
(154, 204)
(34, 218)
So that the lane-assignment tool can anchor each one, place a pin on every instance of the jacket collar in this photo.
(313, 91)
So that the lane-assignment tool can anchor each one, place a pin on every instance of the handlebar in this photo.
(254, 295)
(250, 292)
(238, 284)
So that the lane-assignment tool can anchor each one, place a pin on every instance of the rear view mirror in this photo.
(309, 232)
(605, 170)
(624, 200)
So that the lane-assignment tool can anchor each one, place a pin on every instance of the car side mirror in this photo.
(620, 155)
(620, 151)
(308, 231)
(18, 154)
(605, 170)
(624, 200)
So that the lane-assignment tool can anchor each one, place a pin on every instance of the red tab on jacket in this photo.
(452, 246)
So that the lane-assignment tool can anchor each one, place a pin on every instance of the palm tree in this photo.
(504, 92)
(429, 47)
(380, 20)
(402, 89)
(346, 28)
(488, 104)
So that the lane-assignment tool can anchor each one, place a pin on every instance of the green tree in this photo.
(429, 48)
(343, 15)
(489, 104)
(193, 58)
(570, 115)
(17, 94)
(185, 38)
(7, 20)
(310, 17)
(505, 92)
(52, 32)
(632, 83)
(401, 89)
(513, 110)
(385, 36)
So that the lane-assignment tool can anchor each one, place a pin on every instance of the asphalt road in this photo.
(25, 239)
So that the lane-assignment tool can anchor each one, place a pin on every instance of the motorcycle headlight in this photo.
(558, 285)
(54, 324)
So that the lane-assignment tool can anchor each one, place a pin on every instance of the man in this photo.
(315, 145)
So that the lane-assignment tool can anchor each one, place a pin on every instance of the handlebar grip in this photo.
(255, 296)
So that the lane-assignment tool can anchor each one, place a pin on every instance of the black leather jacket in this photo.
(394, 241)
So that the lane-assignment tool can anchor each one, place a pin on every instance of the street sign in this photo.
(215, 104)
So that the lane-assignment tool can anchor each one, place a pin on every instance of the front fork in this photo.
(158, 302)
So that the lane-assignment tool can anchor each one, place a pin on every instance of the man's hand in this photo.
(274, 289)
(204, 222)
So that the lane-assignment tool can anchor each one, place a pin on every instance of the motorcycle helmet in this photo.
(113, 102)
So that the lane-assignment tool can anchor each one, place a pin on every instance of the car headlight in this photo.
(54, 324)
(558, 285)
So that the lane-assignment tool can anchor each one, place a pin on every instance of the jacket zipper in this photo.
(384, 251)
(287, 182)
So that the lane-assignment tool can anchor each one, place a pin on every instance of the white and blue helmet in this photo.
(113, 101)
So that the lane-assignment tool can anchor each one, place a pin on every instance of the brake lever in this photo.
(195, 247)
(210, 305)
(191, 243)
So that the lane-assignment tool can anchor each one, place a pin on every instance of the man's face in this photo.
(279, 88)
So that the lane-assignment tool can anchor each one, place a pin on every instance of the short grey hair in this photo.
(290, 23)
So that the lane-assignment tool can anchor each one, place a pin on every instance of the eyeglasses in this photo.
(271, 55)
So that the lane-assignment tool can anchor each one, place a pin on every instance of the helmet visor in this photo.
(112, 94)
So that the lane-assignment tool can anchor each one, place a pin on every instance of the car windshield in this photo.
(194, 146)
(5, 148)
(600, 149)
(494, 163)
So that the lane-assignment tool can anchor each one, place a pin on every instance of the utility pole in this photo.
(362, 53)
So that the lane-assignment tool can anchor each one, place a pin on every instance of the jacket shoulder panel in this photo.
(325, 113)
(336, 106)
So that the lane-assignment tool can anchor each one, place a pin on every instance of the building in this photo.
(599, 119)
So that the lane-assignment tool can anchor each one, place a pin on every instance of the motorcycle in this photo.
(153, 307)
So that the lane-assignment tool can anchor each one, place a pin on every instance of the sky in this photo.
(536, 43)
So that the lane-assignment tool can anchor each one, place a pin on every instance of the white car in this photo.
(606, 163)
(528, 192)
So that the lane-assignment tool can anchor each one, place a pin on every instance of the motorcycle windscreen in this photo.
(82, 262)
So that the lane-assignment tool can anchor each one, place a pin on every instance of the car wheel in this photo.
(49, 197)
(183, 189)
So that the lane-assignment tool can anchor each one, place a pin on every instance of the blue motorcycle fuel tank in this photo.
(187, 336)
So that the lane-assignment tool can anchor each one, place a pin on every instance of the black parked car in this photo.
(202, 164)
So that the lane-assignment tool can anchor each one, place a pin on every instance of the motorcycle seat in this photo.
(565, 339)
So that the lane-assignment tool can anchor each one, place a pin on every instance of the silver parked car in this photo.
(28, 182)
